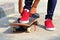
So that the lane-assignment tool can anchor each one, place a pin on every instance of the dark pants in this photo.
(50, 7)
(28, 4)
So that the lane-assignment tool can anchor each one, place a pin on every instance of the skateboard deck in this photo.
(32, 21)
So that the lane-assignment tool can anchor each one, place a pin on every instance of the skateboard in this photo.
(32, 21)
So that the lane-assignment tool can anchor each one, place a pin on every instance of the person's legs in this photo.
(34, 7)
(26, 15)
(28, 4)
(50, 10)
(20, 6)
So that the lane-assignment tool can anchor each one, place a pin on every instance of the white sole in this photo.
(24, 21)
(50, 29)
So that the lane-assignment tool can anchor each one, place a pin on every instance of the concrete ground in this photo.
(40, 33)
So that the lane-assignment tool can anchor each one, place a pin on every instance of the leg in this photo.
(50, 10)
(25, 14)
(20, 6)
(34, 7)
(28, 4)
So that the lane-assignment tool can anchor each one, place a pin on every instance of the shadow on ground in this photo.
(41, 26)
(6, 22)
(10, 31)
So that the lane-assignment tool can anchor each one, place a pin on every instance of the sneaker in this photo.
(49, 25)
(25, 16)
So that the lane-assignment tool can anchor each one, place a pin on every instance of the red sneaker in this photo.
(25, 16)
(49, 25)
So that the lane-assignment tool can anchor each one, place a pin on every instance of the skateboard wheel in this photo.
(14, 29)
(28, 30)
